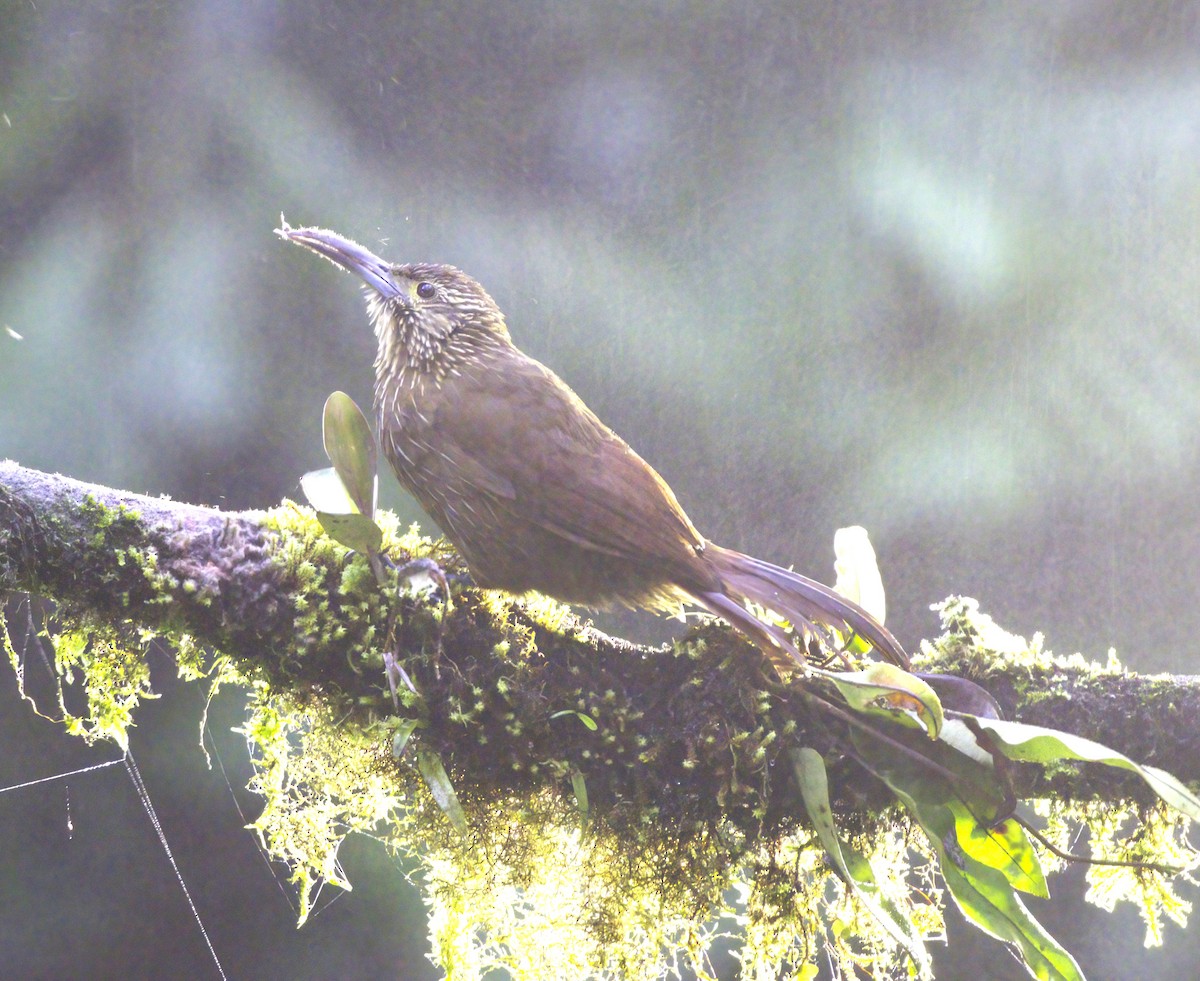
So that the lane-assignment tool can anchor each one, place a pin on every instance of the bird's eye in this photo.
(426, 291)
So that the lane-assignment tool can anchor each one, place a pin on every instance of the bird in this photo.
(535, 492)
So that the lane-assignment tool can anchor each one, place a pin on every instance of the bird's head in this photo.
(426, 315)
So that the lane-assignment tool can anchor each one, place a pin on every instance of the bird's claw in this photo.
(413, 572)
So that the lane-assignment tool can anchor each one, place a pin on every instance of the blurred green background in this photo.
(927, 267)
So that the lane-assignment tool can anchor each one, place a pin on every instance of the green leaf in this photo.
(351, 448)
(579, 786)
(890, 692)
(355, 531)
(1004, 847)
(980, 868)
(404, 730)
(985, 895)
(438, 781)
(587, 720)
(326, 492)
(857, 569)
(853, 867)
(932, 770)
(1035, 744)
(858, 578)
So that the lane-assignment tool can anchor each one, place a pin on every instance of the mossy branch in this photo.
(587, 803)
(271, 593)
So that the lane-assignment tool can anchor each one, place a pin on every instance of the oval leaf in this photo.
(587, 720)
(350, 446)
(887, 690)
(438, 781)
(1004, 846)
(857, 570)
(355, 531)
(960, 695)
(326, 492)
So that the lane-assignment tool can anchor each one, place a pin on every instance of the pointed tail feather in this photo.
(768, 637)
(800, 600)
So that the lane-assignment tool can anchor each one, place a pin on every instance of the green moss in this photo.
(680, 841)
(106, 519)
(972, 638)
(525, 886)
(1124, 831)
(116, 532)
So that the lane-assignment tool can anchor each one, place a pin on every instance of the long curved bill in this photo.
(346, 253)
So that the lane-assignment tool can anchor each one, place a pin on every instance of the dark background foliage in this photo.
(930, 268)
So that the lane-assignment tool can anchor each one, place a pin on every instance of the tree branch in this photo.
(271, 593)
(642, 784)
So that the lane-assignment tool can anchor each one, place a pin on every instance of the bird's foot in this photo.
(423, 575)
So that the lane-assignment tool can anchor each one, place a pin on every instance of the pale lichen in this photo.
(1156, 837)
(319, 781)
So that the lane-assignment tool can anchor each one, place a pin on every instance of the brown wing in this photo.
(569, 473)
